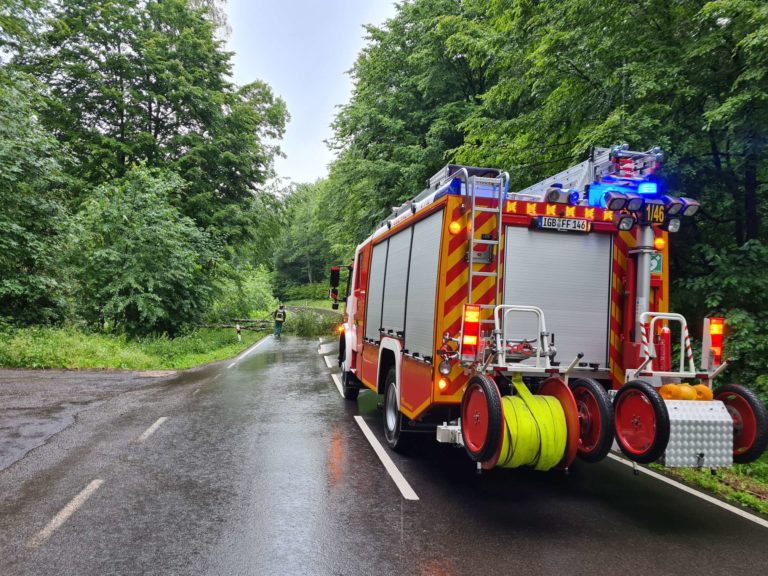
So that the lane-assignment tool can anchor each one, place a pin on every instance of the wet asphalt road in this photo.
(261, 469)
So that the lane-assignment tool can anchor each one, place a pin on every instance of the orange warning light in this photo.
(442, 384)
(659, 243)
(472, 314)
(455, 227)
(716, 326)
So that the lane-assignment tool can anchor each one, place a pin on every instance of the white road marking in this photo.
(337, 380)
(325, 349)
(196, 391)
(399, 480)
(252, 348)
(64, 514)
(328, 361)
(689, 490)
(151, 430)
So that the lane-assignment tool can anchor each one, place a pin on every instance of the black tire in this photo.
(737, 399)
(595, 410)
(481, 421)
(642, 393)
(349, 385)
(393, 418)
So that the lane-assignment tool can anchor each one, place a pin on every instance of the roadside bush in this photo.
(242, 294)
(316, 291)
(311, 323)
(140, 264)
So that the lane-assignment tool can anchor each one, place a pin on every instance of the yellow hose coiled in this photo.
(536, 432)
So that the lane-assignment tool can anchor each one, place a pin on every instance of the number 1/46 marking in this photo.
(654, 213)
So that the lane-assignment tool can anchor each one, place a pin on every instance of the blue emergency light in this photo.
(648, 189)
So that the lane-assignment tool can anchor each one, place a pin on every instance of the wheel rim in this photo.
(391, 410)
(635, 422)
(590, 422)
(474, 418)
(744, 421)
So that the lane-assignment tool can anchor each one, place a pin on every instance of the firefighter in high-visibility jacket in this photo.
(279, 316)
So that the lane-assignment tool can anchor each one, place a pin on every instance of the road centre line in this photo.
(706, 497)
(151, 430)
(337, 380)
(397, 477)
(64, 514)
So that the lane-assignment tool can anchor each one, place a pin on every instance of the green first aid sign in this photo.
(657, 263)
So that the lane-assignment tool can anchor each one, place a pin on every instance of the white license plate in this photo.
(563, 224)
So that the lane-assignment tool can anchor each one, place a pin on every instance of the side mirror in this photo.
(335, 276)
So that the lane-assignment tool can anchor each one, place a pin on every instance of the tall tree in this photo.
(141, 265)
(146, 81)
(32, 218)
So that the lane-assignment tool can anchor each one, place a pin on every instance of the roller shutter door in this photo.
(422, 286)
(567, 275)
(396, 277)
(375, 291)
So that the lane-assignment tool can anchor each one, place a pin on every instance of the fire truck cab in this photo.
(534, 326)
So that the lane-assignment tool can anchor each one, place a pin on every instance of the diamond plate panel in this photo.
(701, 434)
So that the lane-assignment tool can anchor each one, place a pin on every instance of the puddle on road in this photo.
(24, 429)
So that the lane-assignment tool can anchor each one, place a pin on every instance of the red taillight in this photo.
(470, 333)
(716, 332)
(712, 347)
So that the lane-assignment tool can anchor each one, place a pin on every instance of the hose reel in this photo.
(526, 429)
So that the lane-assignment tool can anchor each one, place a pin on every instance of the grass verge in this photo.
(745, 484)
(74, 349)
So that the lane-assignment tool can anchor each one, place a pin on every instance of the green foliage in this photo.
(75, 349)
(310, 323)
(414, 86)
(303, 254)
(32, 219)
(316, 291)
(141, 265)
(94, 90)
(243, 293)
(147, 82)
(736, 285)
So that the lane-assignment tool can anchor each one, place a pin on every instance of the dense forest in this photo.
(135, 185)
(132, 188)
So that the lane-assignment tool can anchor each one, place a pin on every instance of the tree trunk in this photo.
(733, 190)
(750, 196)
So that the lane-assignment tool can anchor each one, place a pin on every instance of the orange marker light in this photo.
(340, 328)
(659, 243)
(469, 340)
(442, 384)
(472, 314)
(716, 326)
(455, 227)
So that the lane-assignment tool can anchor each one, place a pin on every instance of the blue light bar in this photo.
(647, 189)
(597, 193)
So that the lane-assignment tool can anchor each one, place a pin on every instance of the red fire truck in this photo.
(532, 327)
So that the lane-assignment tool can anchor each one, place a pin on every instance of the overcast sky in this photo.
(302, 48)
